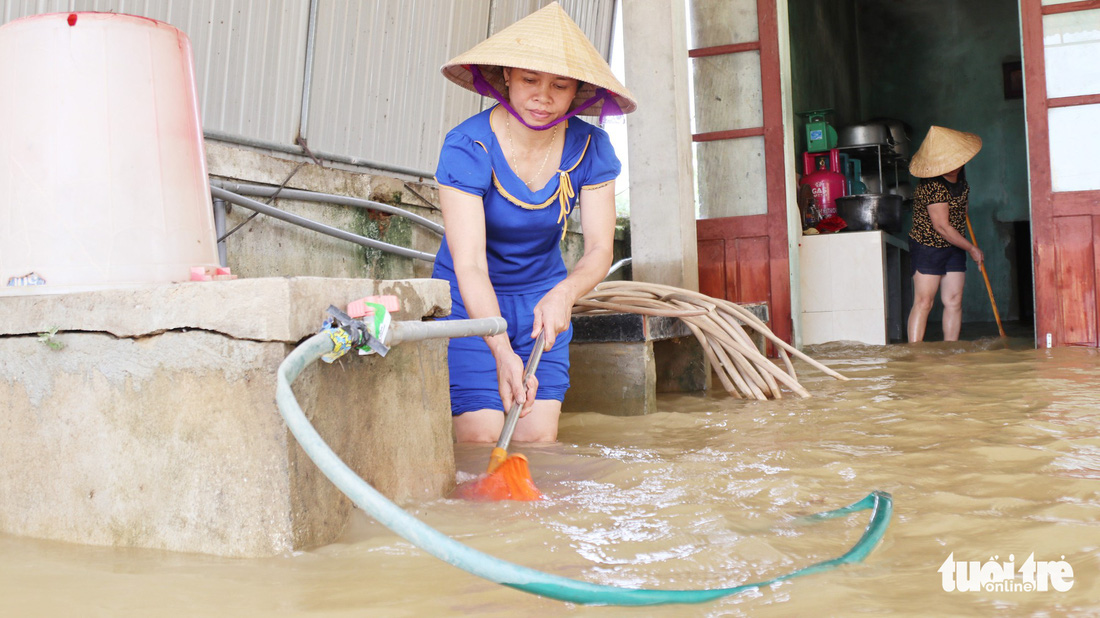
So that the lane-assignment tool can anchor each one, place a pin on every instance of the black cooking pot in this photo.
(870, 211)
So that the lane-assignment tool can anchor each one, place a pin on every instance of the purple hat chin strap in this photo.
(485, 89)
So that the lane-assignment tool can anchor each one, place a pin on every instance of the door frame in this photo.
(1064, 224)
(764, 238)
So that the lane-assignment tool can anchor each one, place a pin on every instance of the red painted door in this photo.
(1061, 43)
(745, 258)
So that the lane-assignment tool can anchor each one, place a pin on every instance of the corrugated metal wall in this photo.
(375, 95)
(377, 92)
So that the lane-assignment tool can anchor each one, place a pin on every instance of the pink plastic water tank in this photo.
(102, 170)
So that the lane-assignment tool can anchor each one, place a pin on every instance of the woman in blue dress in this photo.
(509, 177)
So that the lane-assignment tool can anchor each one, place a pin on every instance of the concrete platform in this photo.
(620, 361)
(154, 424)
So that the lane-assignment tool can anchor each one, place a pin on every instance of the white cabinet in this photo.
(851, 287)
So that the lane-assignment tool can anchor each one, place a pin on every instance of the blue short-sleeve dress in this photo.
(523, 231)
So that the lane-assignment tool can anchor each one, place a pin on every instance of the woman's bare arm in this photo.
(938, 213)
(464, 220)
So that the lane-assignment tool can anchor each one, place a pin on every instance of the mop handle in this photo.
(988, 288)
(513, 412)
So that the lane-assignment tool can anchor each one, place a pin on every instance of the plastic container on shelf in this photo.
(101, 144)
(855, 177)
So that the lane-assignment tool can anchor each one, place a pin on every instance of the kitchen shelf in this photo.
(881, 155)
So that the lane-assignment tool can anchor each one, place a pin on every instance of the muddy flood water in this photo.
(989, 449)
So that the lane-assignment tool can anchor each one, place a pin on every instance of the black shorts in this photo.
(935, 260)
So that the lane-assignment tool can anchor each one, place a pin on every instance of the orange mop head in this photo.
(511, 480)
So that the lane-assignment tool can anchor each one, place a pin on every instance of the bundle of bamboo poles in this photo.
(719, 325)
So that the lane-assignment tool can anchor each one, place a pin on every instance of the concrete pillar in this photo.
(662, 196)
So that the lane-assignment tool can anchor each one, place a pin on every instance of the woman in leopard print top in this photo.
(937, 243)
(940, 190)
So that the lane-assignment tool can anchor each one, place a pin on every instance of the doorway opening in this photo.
(938, 62)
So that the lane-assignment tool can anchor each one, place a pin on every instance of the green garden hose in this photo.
(500, 571)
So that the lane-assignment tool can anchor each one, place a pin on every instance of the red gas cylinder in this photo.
(824, 177)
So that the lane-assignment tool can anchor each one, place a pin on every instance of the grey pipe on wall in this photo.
(326, 198)
(251, 204)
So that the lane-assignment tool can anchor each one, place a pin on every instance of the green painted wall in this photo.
(930, 62)
(825, 60)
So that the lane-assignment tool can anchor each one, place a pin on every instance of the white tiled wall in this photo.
(844, 287)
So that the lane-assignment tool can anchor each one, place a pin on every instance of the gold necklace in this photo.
(515, 162)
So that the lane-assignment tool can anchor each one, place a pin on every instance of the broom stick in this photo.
(988, 288)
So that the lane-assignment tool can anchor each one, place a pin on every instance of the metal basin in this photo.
(870, 211)
(864, 134)
(899, 135)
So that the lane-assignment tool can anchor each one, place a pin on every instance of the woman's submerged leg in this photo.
(951, 293)
(924, 295)
(478, 426)
(540, 424)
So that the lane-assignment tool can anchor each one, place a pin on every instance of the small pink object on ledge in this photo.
(202, 273)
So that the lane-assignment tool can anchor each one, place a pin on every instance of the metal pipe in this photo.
(309, 224)
(307, 76)
(617, 265)
(326, 198)
(219, 229)
(297, 150)
(404, 332)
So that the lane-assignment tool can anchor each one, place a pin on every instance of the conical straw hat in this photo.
(943, 150)
(548, 41)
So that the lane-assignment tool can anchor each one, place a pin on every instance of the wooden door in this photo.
(744, 258)
(1061, 43)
